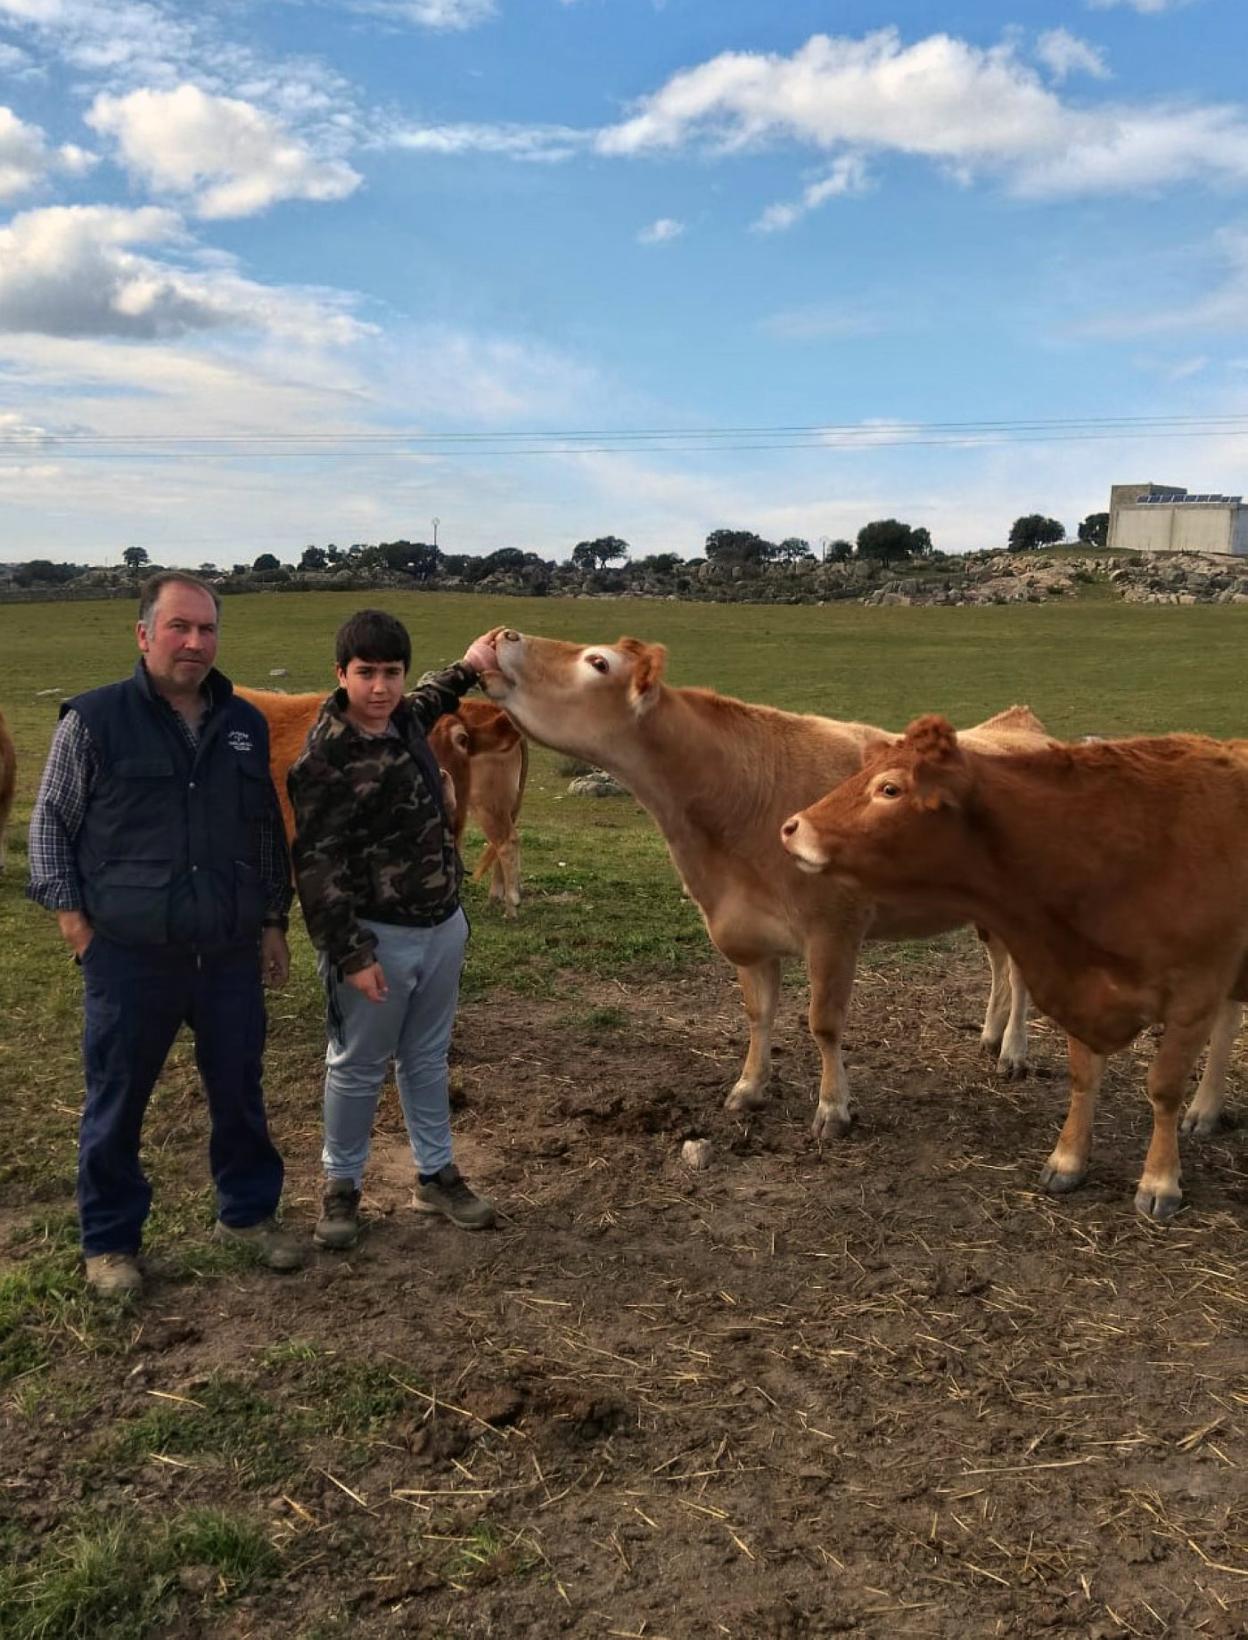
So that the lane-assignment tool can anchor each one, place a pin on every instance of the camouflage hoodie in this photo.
(372, 838)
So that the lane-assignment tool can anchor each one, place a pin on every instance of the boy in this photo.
(378, 879)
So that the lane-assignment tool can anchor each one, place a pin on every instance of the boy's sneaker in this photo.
(267, 1240)
(113, 1275)
(448, 1194)
(339, 1224)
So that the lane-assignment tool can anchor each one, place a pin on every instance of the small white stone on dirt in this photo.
(696, 1153)
(277, 671)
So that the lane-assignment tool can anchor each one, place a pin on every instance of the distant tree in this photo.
(886, 539)
(240, 569)
(266, 560)
(659, 563)
(313, 558)
(836, 552)
(333, 553)
(1035, 530)
(792, 550)
(134, 557)
(601, 551)
(208, 569)
(43, 572)
(738, 547)
(1095, 529)
(418, 558)
(506, 558)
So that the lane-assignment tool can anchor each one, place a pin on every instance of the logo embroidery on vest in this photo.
(240, 740)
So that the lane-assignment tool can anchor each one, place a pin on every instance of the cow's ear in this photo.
(647, 678)
(939, 768)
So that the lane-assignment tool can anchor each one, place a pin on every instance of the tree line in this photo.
(884, 540)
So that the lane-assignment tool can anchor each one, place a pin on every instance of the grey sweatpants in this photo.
(412, 1027)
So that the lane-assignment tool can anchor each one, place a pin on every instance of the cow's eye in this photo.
(890, 789)
(598, 662)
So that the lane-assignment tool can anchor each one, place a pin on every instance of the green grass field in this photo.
(600, 899)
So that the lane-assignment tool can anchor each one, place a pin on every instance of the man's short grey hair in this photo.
(152, 588)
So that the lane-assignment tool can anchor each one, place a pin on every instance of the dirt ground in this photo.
(883, 1388)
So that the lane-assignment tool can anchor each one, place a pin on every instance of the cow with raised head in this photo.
(718, 776)
(8, 780)
(1116, 873)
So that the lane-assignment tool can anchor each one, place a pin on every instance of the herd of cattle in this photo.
(1108, 880)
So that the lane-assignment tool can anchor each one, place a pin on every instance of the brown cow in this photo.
(718, 776)
(479, 747)
(8, 780)
(1116, 873)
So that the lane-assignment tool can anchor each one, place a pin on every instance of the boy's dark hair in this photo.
(372, 635)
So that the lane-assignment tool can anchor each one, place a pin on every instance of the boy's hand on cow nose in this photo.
(370, 982)
(481, 655)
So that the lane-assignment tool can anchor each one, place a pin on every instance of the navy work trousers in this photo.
(135, 998)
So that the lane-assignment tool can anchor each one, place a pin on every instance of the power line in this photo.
(290, 444)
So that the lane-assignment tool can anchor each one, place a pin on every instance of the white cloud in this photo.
(231, 156)
(974, 111)
(526, 142)
(446, 15)
(74, 271)
(1147, 7)
(26, 159)
(1063, 53)
(1223, 308)
(809, 324)
(662, 230)
(847, 176)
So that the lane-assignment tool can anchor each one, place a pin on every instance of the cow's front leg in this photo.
(831, 984)
(1005, 1019)
(1160, 1191)
(1205, 1111)
(1067, 1167)
(760, 991)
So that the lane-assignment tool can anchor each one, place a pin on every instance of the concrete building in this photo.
(1166, 518)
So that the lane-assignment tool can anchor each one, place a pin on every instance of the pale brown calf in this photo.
(499, 767)
(1116, 873)
(718, 776)
(8, 780)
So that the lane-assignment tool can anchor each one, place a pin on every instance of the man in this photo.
(157, 840)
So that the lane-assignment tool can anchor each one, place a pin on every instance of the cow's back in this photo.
(289, 718)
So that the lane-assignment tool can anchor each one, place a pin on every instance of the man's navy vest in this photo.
(169, 850)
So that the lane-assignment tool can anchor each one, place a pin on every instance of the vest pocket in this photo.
(131, 899)
(248, 901)
(254, 787)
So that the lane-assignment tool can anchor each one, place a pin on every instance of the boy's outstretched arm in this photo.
(440, 692)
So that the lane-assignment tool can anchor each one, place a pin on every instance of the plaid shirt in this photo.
(61, 806)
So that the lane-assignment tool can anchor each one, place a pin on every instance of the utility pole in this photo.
(436, 522)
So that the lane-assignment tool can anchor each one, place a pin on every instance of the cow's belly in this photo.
(902, 922)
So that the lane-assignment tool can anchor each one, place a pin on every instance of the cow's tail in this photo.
(485, 862)
(524, 775)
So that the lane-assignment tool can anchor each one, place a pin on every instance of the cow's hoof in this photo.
(991, 1046)
(1158, 1205)
(1011, 1070)
(830, 1123)
(742, 1099)
(1059, 1181)
(1202, 1124)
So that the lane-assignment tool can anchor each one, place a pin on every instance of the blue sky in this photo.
(547, 269)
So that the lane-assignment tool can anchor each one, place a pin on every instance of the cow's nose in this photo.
(789, 827)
